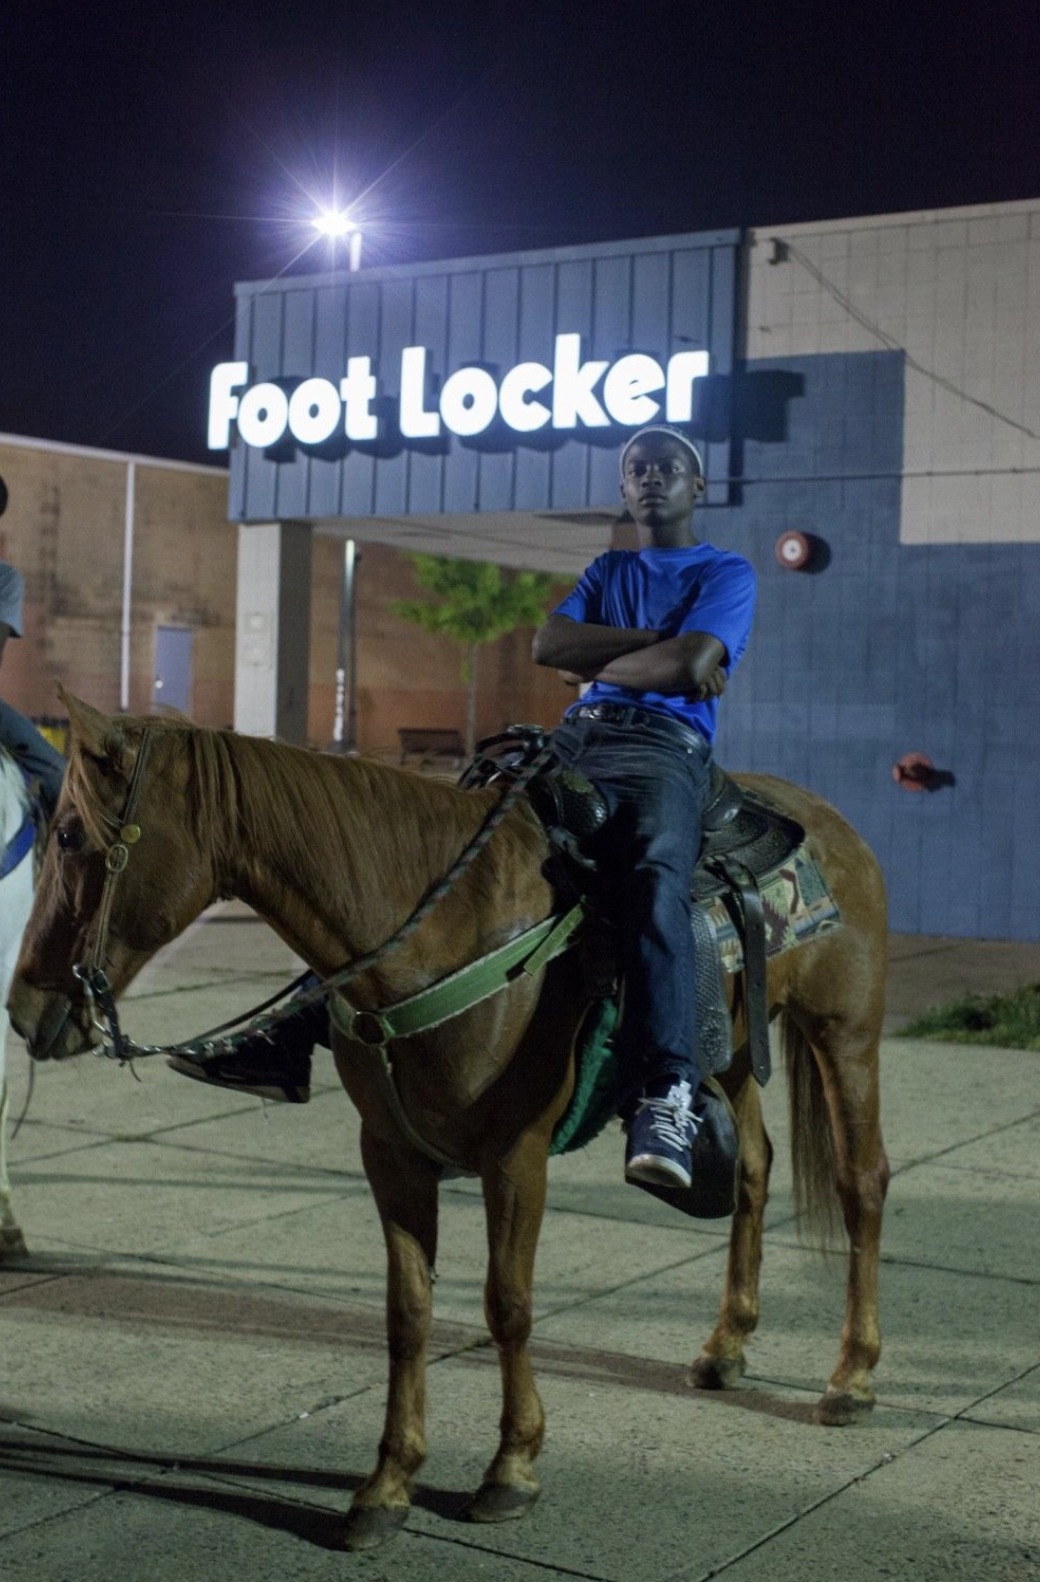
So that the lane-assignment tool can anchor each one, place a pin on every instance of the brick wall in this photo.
(408, 677)
(64, 530)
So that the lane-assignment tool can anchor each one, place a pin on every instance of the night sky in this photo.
(151, 158)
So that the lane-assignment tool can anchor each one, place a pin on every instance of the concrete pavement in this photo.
(192, 1377)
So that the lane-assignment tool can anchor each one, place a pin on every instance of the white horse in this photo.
(16, 891)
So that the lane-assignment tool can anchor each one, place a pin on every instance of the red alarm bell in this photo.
(793, 551)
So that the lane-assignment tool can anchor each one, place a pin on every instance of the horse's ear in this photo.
(97, 734)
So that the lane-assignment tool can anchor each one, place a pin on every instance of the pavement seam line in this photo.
(526, 1560)
(811, 1509)
(913, 1444)
(994, 1131)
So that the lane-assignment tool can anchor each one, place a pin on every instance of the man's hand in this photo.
(713, 687)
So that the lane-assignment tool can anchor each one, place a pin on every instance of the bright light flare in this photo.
(334, 223)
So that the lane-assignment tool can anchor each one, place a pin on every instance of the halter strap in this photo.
(92, 974)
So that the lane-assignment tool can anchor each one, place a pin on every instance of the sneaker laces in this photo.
(673, 1120)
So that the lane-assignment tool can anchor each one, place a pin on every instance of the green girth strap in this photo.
(529, 952)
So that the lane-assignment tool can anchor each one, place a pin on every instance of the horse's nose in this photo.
(42, 1020)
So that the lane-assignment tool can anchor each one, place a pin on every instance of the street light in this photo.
(344, 725)
(336, 223)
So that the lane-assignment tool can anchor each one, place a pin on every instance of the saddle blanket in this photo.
(797, 906)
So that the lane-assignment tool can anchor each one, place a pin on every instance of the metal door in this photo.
(173, 652)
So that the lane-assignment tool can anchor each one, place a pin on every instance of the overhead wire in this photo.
(892, 342)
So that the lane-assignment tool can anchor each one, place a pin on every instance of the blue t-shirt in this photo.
(697, 588)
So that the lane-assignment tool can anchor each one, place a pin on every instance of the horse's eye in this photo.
(69, 839)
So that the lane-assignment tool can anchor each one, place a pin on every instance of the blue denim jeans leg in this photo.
(34, 753)
(655, 788)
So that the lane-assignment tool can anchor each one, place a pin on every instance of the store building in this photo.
(867, 393)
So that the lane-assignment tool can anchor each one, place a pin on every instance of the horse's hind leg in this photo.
(722, 1363)
(514, 1197)
(405, 1189)
(847, 1061)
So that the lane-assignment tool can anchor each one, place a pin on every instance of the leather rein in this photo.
(443, 999)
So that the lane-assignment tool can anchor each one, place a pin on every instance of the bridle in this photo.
(100, 998)
(97, 990)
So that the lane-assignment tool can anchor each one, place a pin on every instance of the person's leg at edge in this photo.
(275, 1065)
(39, 761)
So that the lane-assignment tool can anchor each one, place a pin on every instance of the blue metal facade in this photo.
(658, 296)
(891, 648)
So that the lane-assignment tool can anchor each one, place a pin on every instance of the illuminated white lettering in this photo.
(518, 413)
(416, 422)
(469, 401)
(626, 389)
(584, 394)
(573, 381)
(358, 390)
(314, 409)
(223, 406)
(263, 415)
(683, 369)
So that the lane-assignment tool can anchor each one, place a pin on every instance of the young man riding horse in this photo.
(656, 633)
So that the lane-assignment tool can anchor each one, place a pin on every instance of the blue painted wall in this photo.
(890, 649)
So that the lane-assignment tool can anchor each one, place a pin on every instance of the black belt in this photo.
(646, 719)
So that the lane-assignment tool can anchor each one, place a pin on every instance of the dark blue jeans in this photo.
(34, 753)
(655, 788)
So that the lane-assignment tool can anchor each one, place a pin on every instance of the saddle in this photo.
(745, 840)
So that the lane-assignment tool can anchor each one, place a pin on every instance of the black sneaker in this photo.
(661, 1134)
(274, 1065)
(261, 1070)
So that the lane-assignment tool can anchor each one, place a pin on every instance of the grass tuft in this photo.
(1011, 1021)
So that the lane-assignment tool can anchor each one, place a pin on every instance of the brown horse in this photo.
(336, 853)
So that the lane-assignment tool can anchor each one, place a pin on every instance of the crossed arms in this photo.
(689, 665)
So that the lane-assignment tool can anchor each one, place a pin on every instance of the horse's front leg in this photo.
(405, 1189)
(514, 1198)
(721, 1363)
(12, 1242)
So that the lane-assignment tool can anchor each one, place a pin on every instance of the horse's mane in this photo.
(344, 821)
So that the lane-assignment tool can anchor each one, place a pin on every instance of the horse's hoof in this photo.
(499, 1502)
(716, 1373)
(368, 1526)
(12, 1243)
(839, 1408)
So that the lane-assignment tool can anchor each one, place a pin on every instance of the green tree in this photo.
(474, 602)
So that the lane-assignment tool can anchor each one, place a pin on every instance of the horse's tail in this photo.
(813, 1164)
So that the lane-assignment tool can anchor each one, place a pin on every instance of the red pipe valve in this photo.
(914, 772)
